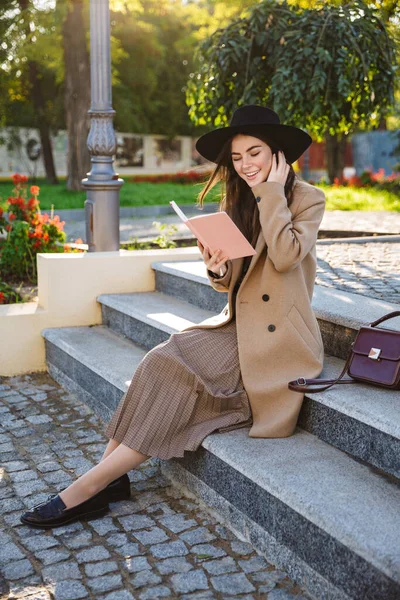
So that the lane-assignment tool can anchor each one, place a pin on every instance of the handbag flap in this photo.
(386, 340)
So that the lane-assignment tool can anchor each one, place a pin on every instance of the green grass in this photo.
(344, 198)
(131, 194)
(147, 194)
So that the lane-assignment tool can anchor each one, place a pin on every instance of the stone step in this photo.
(340, 314)
(357, 418)
(331, 522)
(312, 510)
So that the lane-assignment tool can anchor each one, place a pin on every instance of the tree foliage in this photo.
(328, 69)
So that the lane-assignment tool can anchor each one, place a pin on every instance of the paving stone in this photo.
(145, 578)
(10, 552)
(10, 504)
(58, 477)
(26, 488)
(70, 590)
(134, 522)
(177, 523)
(40, 542)
(50, 557)
(61, 571)
(202, 551)
(15, 465)
(8, 447)
(105, 583)
(19, 476)
(241, 548)
(190, 581)
(39, 419)
(160, 591)
(103, 525)
(256, 563)
(133, 565)
(234, 584)
(85, 538)
(197, 536)
(154, 535)
(18, 570)
(34, 499)
(281, 594)
(267, 576)
(128, 550)
(68, 528)
(220, 566)
(92, 554)
(173, 565)
(101, 568)
(79, 465)
(120, 595)
(117, 539)
(174, 548)
(225, 533)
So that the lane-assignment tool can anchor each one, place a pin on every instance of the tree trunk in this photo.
(40, 109)
(335, 149)
(77, 94)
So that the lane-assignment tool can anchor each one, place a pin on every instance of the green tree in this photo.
(30, 91)
(328, 69)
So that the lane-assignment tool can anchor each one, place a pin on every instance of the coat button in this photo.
(265, 297)
(226, 311)
(271, 327)
(258, 198)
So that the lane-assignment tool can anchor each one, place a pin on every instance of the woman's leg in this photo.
(111, 446)
(121, 460)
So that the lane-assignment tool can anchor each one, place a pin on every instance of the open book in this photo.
(217, 230)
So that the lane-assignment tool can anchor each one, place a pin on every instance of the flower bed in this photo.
(25, 233)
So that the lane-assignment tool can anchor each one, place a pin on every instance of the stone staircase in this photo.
(323, 504)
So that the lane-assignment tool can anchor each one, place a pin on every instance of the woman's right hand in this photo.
(213, 260)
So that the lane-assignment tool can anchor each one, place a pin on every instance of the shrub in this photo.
(27, 233)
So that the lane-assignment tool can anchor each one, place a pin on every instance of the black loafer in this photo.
(119, 489)
(53, 512)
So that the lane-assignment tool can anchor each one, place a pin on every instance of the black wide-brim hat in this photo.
(252, 119)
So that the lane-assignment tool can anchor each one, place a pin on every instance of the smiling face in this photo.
(251, 158)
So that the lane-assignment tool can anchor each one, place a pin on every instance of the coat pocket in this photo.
(302, 328)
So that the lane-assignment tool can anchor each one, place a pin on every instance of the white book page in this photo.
(178, 211)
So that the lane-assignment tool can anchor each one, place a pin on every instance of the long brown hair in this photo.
(237, 199)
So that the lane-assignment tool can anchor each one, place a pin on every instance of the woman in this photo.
(232, 369)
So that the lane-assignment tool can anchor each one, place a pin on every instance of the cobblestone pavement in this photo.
(159, 544)
(371, 269)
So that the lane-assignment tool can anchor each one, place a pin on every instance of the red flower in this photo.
(24, 179)
(2, 298)
(12, 217)
(32, 202)
(35, 190)
(16, 178)
(1, 212)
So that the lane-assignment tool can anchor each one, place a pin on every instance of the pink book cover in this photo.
(217, 230)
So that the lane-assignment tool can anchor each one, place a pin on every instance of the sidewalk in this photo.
(159, 544)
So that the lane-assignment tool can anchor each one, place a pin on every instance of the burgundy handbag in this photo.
(374, 358)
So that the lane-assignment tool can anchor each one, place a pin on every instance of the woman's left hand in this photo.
(279, 169)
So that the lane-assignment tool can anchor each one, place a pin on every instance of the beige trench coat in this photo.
(278, 334)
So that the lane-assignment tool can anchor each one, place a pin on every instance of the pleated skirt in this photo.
(182, 390)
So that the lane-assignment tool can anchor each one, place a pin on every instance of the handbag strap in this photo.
(395, 313)
(306, 384)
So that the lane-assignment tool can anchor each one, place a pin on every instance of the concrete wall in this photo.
(136, 154)
(68, 286)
